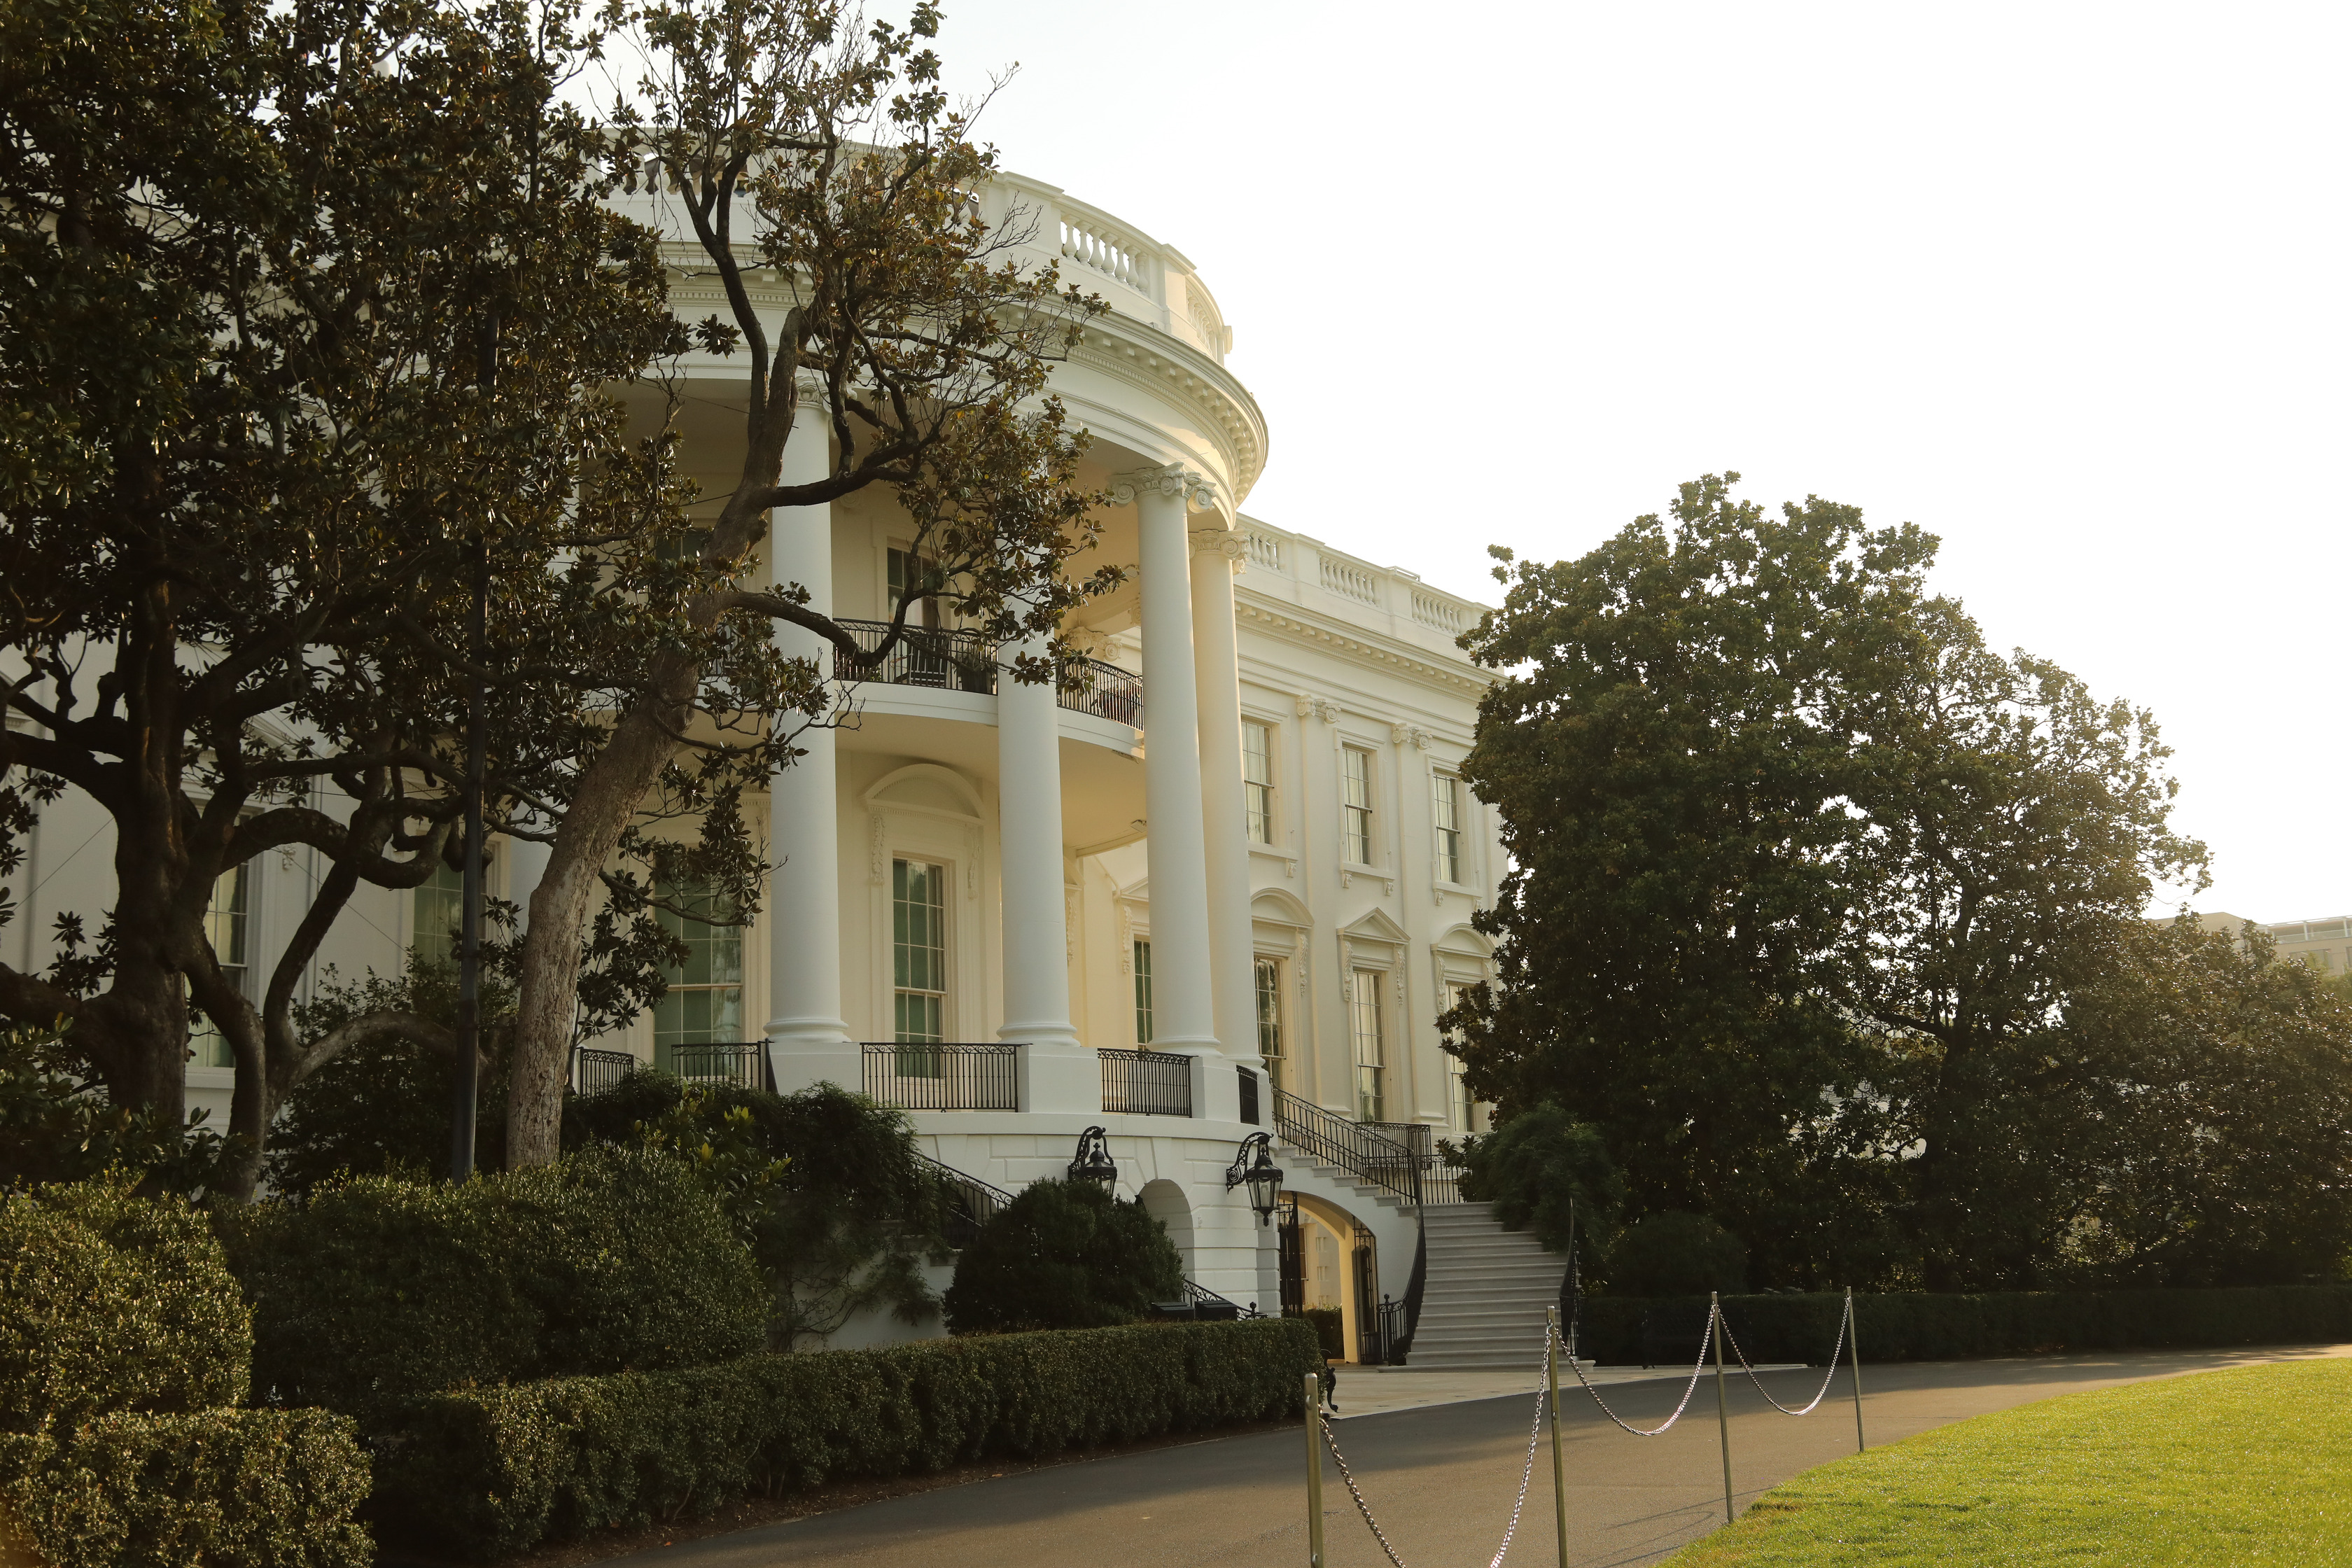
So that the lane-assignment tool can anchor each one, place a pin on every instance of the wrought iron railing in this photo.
(1249, 1096)
(593, 1071)
(1381, 1336)
(1146, 1082)
(743, 1063)
(1207, 1303)
(1390, 1155)
(966, 661)
(942, 1077)
(1441, 1182)
(972, 1203)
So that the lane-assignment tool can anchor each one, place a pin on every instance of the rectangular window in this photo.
(440, 916)
(1364, 1012)
(228, 921)
(909, 573)
(1143, 993)
(1356, 803)
(919, 963)
(704, 1003)
(1269, 1016)
(1257, 780)
(1457, 1088)
(1448, 803)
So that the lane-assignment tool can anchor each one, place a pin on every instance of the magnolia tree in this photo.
(795, 140)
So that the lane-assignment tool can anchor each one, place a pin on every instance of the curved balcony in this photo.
(966, 661)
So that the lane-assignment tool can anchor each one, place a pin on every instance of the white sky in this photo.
(2064, 284)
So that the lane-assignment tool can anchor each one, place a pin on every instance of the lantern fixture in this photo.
(1094, 1164)
(1253, 1163)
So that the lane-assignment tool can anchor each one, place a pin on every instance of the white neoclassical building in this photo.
(1228, 889)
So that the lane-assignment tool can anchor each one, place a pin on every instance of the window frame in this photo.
(1266, 998)
(1139, 957)
(1364, 1001)
(1258, 806)
(666, 1038)
(1359, 823)
(941, 997)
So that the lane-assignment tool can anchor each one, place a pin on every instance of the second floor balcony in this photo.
(965, 661)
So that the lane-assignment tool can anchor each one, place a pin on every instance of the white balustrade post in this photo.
(1057, 1072)
(1185, 1017)
(807, 1040)
(1216, 659)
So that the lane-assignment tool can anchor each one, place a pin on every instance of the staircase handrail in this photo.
(1369, 1151)
(981, 1199)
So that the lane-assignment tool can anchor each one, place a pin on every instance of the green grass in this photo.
(2243, 1467)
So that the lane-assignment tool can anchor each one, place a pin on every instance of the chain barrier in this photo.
(1697, 1368)
(1526, 1474)
(1835, 1351)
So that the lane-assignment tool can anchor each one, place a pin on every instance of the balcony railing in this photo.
(1146, 1083)
(1391, 1155)
(942, 1077)
(743, 1063)
(594, 1070)
(972, 1203)
(966, 661)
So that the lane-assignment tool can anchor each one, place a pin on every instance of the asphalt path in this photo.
(1440, 1478)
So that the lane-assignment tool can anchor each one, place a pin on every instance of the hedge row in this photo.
(482, 1473)
(1921, 1327)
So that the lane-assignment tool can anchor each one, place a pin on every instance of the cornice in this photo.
(1290, 622)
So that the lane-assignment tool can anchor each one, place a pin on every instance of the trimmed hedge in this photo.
(1063, 1255)
(229, 1488)
(1921, 1327)
(378, 1291)
(480, 1473)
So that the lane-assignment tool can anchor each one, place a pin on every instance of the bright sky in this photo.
(2064, 284)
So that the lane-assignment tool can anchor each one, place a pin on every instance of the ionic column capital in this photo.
(1169, 479)
(1224, 542)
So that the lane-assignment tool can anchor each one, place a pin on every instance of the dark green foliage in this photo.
(110, 1302)
(1331, 1330)
(377, 1290)
(1063, 1255)
(1674, 1254)
(484, 1472)
(825, 1186)
(382, 1106)
(58, 1125)
(1906, 1326)
(124, 1350)
(226, 1489)
(1538, 1165)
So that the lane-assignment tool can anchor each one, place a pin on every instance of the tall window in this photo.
(918, 960)
(1257, 780)
(1448, 801)
(1364, 1012)
(1356, 803)
(1269, 1016)
(228, 921)
(440, 913)
(1143, 993)
(704, 1003)
(1457, 1088)
(909, 573)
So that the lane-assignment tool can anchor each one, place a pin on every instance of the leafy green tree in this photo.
(1802, 876)
(1063, 1255)
(1674, 1254)
(57, 1127)
(1544, 1168)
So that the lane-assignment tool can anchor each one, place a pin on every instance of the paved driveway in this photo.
(1441, 1478)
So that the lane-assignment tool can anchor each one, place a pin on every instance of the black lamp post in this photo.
(1094, 1162)
(1253, 1163)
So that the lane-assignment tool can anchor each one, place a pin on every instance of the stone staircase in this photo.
(1484, 1299)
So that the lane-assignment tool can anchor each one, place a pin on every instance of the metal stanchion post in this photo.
(1722, 1410)
(1314, 1470)
(1559, 1472)
(1853, 1348)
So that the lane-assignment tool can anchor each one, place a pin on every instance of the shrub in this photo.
(1906, 1326)
(1540, 1166)
(1330, 1331)
(1063, 1255)
(1671, 1254)
(113, 1302)
(56, 1126)
(484, 1472)
(228, 1489)
(825, 1186)
(378, 1291)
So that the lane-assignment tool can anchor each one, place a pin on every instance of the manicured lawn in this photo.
(2248, 1465)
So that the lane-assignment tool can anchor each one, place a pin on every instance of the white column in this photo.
(807, 1040)
(1057, 1073)
(1185, 1018)
(1216, 658)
